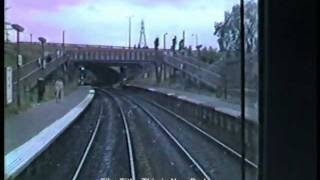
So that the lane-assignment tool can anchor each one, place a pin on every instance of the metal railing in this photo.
(111, 54)
(207, 77)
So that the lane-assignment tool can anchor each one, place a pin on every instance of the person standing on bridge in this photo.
(156, 43)
(190, 51)
(174, 42)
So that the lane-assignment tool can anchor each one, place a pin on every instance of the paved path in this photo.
(218, 104)
(22, 127)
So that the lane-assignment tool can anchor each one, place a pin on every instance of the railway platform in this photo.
(29, 133)
(226, 107)
(22, 127)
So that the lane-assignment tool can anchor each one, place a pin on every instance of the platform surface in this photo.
(218, 104)
(22, 127)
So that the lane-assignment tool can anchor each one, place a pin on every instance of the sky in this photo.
(106, 22)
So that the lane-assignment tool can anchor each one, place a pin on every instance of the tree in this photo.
(209, 56)
(228, 31)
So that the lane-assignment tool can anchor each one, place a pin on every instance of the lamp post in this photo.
(19, 29)
(130, 31)
(196, 37)
(63, 41)
(164, 41)
(41, 82)
(42, 40)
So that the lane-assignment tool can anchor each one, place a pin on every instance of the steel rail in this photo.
(85, 154)
(231, 150)
(172, 137)
(128, 136)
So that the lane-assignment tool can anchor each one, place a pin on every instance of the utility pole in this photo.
(19, 29)
(183, 35)
(196, 37)
(130, 31)
(63, 40)
(30, 37)
(164, 41)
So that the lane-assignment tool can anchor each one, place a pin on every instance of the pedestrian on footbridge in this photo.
(156, 43)
(181, 45)
(174, 42)
(190, 51)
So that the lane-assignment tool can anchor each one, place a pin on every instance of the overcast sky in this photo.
(106, 22)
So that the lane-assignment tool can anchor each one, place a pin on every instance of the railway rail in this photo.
(196, 130)
(213, 139)
(198, 151)
(203, 174)
(89, 149)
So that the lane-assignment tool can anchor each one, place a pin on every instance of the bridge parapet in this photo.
(105, 54)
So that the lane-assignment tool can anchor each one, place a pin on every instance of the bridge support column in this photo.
(164, 72)
(183, 74)
(158, 73)
(174, 71)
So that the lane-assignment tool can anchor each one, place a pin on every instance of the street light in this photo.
(63, 40)
(130, 31)
(164, 41)
(196, 37)
(42, 40)
(19, 29)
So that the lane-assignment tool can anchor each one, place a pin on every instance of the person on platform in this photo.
(59, 90)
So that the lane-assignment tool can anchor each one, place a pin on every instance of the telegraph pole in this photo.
(164, 41)
(63, 40)
(130, 31)
(19, 30)
(183, 35)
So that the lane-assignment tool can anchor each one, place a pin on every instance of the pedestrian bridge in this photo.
(115, 56)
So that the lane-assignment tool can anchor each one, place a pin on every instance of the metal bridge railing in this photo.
(207, 77)
(112, 54)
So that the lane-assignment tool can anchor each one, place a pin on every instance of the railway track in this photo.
(177, 122)
(85, 154)
(213, 139)
(90, 151)
(199, 171)
(133, 138)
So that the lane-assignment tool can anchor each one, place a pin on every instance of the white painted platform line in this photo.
(22, 156)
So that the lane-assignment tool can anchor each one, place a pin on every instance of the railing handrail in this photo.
(201, 68)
